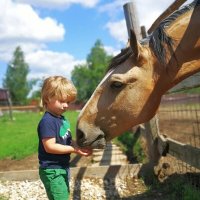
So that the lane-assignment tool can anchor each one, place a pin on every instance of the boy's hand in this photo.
(81, 151)
(84, 152)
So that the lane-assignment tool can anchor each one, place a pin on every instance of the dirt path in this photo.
(31, 163)
(28, 163)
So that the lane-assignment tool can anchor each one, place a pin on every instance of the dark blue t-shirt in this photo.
(59, 128)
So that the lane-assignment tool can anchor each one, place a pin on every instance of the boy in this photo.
(55, 141)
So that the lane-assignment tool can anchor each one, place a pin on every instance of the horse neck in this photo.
(185, 60)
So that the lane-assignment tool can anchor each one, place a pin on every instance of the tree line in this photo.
(84, 76)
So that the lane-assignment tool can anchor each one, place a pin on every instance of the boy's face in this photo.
(57, 107)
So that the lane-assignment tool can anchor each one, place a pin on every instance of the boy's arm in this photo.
(51, 146)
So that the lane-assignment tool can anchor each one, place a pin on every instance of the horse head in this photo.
(124, 98)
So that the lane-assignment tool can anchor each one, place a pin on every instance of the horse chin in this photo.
(98, 144)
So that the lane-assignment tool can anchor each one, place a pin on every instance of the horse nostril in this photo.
(80, 135)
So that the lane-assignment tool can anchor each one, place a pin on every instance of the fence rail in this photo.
(20, 108)
(184, 152)
(160, 145)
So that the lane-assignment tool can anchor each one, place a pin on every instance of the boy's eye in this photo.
(64, 101)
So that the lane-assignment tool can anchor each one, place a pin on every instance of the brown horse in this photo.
(131, 91)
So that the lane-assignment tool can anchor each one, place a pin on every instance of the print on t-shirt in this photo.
(65, 129)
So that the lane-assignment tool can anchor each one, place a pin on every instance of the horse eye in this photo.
(116, 84)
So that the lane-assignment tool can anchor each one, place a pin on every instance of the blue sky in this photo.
(56, 35)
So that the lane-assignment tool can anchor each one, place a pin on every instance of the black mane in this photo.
(158, 40)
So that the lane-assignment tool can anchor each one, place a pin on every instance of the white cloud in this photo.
(113, 8)
(20, 25)
(111, 51)
(20, 22)
(59, 4)
(7, 48)
(118, 30)
(44, 63)
(146, 11)
(149, 11)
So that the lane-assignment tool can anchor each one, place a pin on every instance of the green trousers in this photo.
(56, 183)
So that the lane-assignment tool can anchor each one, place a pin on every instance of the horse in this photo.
(131, 91)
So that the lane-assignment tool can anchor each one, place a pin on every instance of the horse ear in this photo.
(134, 43)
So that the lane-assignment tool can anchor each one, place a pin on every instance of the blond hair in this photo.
(59, 87)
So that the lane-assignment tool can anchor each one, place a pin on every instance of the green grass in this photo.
(3, 198)
(72, 117)
(130, 144)
(18, 138)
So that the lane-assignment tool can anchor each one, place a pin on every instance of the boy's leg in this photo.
(56, 183)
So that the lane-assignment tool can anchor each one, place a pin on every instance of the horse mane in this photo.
(158, 40)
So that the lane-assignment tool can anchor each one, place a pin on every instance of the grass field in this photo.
(18, 138)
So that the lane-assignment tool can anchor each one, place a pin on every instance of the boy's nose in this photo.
(65, 105)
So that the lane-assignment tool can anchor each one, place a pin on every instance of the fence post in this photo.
(5, 97)
(130, 13)
(143, 32)
(151, 134)
(9, 104)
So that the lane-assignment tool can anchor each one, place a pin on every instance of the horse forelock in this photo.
(120, 58)
(159, 40)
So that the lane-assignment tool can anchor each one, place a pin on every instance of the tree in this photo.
(87, 76)
(16, 78)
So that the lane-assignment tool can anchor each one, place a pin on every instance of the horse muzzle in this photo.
(93, 138)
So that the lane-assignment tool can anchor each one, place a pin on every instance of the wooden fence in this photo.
(160, 145)
(5, 98)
